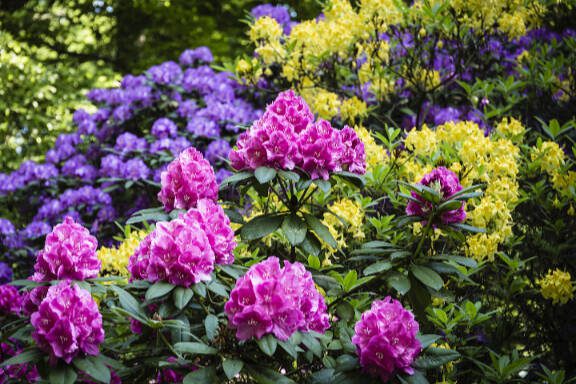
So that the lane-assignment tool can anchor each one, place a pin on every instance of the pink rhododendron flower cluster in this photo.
(10, 300)
(386, 339)
(216, 225)
(69, 253)
(68, 323)
(287, 136)
(183, 251)
(281, 301)
(32, 299)
(447, 183)
(187, 179)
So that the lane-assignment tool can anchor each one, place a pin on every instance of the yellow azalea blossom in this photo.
(265, 28)
(352, 214)
(422, 142)
(353, 108)
(549, 156)
(557, 286)
(510, 127)
(115, 260)
(375, 154)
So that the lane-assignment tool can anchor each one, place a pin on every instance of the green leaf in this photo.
(199, 289)
(205, 375)
(435, 357)
(62, 375)
(353, 178)
(312, 344)
(232, 367)
(320, 229)
(129, 303)
(235, 178)
(311, 245)
(427, 276)
(195, 348)
(182, 296)
(264, 174)
(399, 282)
(267, 344)
(158, 290)
(94, 368)
(217, 288)
(314, 262)
(345, 311)
(23, 357)
(449, 205)
(294, 228)
(468, 228)
(426, 340)
(260, 226)
(378, 267)
(262, 375)
(324, 185)
(289, 348)
(293, 176)
(349, 280)
(211, 325)
(416, 378)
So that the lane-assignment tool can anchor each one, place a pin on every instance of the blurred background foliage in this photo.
(53, 51)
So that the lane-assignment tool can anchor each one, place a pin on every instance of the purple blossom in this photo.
(36, 229)
(447, 184)
(385, 338)
(164, 128)
(5, 273)
(278, 12)
(193, 56)
(165, 73)
(68, 323)
(129, 142)
(135, 169)
(6, 227)
(69, 253)
(10, 300)
(270, 299)
(217, 151)
(187, 179)
(203, 127)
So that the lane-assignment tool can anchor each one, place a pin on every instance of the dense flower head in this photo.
(447, 183)
(69, 253)
(68, 323)
(10, 300)
(186, 180)
(216, 225)
(164, 128)
(557, 286)
(192, 56)
(270, 299)
(287, 136)
(177, 252)
(5, 273)
(280, 13)
(385, 338)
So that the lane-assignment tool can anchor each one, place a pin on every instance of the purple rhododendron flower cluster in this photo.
(17, 373)
(5, 273)
(68, 323)
(447, 183)
(69, 253)
(287, 137)
(385, 338)
(271, 299)
(10, 300)
(280, 13)
(183, 251)
(187, 179)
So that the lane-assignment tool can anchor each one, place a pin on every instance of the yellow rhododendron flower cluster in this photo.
(375, 154)
(557, 286)
(550, 159)
(115, 260)
(476, 158)
(346, 217)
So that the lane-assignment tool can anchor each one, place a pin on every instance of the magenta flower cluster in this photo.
(447, 183)
(183, 251)
(270, 299)
(385, 338)
(10, 300)
(187, 179)
(68, 323)
(287, 137)
(69, 253)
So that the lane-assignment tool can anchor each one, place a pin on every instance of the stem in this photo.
(424, 236)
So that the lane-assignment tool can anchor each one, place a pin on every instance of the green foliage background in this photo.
(53, 51)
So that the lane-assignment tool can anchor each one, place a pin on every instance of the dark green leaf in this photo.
(264, 174)
(205, 375)
(262, 375)
(321, 230)
(324, 185)
(290, 175)
(435, 357)
(353, 178)
(267, 344)
(158, 290)
(23, 357)
(182, 296)
(129, 303)
(94, 368)
(195, 348)
(62, 375)
(211, 325)
(468, 228)
(217, 288)
(235, 178)
(378, 267)
(449, 205)
(427, 276)
(232, 367)
(311, 245)
(294, 228)
(426, 340)
(399, 282)
(312, 344)
(345, 311)
(260, 226)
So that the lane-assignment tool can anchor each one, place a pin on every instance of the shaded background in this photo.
(53, 51)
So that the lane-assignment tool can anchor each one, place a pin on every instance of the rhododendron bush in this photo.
(358, 203)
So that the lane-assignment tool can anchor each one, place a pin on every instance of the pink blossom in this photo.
(69, 253)
(10, 300)
(68, 323)
(280, 301)
(187, 179)
(385, 338)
